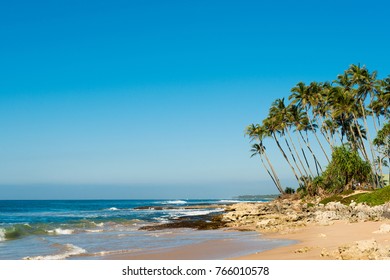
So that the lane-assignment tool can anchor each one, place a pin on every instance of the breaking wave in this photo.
(174, 202)
(2, 234)
(70, 250)
(61, 231)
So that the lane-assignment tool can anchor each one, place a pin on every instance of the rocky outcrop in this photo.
(360, 250)
(286, 215)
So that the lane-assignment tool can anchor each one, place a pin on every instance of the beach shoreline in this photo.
(317, 232)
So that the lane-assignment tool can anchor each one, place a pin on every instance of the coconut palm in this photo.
(296, 117)
(272, 126)
(301, 97)
(280, 113)
(256, 132)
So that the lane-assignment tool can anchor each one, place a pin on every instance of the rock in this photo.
(363, 250)
(303, 250)
(325, 217)
(384, 228)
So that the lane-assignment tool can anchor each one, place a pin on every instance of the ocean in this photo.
(93, 229)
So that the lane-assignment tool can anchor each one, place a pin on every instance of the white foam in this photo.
(183, 213)
(71, 250)
(174, 202)
(2, 234)
(94, 230)
(113, 209)
(238, 201)
(61, 231)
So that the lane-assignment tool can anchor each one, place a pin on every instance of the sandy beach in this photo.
(314, 242)
(319, 242)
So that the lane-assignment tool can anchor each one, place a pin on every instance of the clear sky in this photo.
(149, 99)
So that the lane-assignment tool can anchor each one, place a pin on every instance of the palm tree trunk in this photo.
(293, 157)
(269, 173)
(373, 155)
(323, 134)
(304, 155)
(295, 150)
(274, 172)
(318, 140)
(285, 156)
(317, 163)
(359, 144)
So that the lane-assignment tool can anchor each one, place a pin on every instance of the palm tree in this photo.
(301, 96)
(279, 112)
(366, 86)
(271, 126)
(296, 117)
(256, 132)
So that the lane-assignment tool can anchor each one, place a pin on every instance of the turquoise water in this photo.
(89, 229)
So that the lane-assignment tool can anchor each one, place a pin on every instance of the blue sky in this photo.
(149, 99)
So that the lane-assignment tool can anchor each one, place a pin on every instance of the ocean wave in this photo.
(94, 230)
(112, 209)
(186, 213)
(70, 250)
(239, 201)
(174, 202)
(105, 253)
(2, 234)
(60, 231)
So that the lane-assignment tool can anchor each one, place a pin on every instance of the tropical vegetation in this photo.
(333, 135)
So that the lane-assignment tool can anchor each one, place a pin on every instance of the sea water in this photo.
(91, 229)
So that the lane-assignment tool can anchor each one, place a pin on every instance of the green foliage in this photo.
(289, 190)
(347, 192)
(377, 197)
(347, 200)
(333, 198)
(345, 169)
(372, 198)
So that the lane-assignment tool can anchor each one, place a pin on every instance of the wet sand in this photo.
(217, 249)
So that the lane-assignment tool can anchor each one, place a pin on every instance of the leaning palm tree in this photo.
(257, 133)
(301, 96)
(259, 149)
(279, 113)
(272, 126)
(295, 118)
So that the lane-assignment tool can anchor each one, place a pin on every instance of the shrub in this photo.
(289, 190)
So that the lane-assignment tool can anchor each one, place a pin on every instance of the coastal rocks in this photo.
(325, 218)
(206, 222)
(286, 215)
(359, 250)
(363, 250)
(266, 217)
